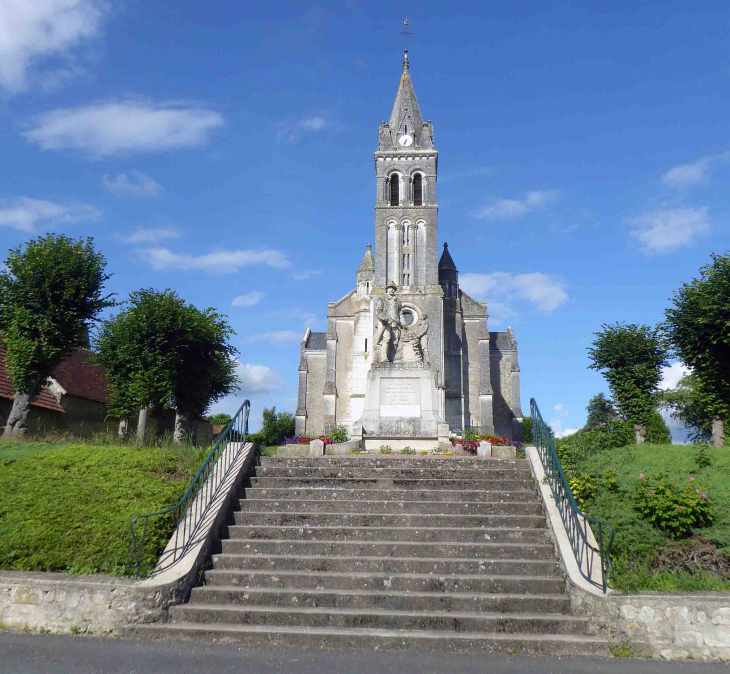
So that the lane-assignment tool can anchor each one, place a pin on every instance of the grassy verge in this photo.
(647, 558)
(68, 507)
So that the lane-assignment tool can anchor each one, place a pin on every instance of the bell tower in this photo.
(406, 214)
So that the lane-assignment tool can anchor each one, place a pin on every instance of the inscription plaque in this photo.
(400, 397)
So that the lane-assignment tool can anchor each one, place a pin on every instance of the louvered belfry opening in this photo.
(418, 190)
(394, 190)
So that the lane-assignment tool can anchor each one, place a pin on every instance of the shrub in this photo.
(276, 426)
(702, 457)
(385, 449)
(584, 488)
(527, 430)
(657, 431)
(469, 434)
(408, 450)
(672, 509)
(339, 434)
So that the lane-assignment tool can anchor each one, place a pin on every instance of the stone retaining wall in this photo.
(59, 602)
(661, 624)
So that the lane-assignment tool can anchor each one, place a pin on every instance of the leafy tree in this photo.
(162, 353)
(276, 426)
(631, 358)
(220, 419)
(51, 289)
(601, 411)
(698, 327)
(688, 403)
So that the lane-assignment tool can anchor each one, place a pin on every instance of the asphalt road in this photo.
(53, 654)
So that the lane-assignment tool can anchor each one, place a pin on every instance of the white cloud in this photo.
(248, 300)
(671, 374)
(667, 230)
(314, 124)
(545, 291)
(125, 127)
(687, 174)
(219, 262)
(153, 235)
(257, 379)
(24, 213)
(559, 432)
(560, 407)
(136, 184)
(32, 31)
(304, 275)
(278, 336)
(509, 209)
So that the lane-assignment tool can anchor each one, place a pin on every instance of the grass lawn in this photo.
(645, 557)
(68, 507)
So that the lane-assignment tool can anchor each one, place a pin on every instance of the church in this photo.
(407, 311)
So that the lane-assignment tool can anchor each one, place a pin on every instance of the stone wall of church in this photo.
(317, 364)
(472, 367)
(501, 365)
(343, 381)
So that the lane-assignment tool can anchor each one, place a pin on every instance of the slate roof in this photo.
(317, 341)
(446, 261)
(44, 398)
(368, 262)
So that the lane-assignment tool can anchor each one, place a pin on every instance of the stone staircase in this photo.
(380, 552)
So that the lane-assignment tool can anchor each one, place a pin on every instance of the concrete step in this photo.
(400, 534)
(453, 497)
(513, 623)
(388, 549)
(393, 461)
(263, 518)
(391, 483)
(390, 600)
(401, 473)
(527, 567)
(389, 640)
(400, 582)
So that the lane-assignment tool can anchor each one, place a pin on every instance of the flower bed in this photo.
(472, 445)
(305, 440)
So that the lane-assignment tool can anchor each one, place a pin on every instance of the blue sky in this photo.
(225, 150)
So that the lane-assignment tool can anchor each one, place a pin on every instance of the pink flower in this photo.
(570, 472)
(703, 495)
(641, 475)
(691, 479)
(697, 491)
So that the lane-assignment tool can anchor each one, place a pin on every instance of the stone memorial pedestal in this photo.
(401, 408)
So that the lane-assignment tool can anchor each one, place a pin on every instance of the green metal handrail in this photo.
(576, 522)
(190, 510)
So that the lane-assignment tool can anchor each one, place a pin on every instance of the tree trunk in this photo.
(17, 423)
(639, 434)
(142, 425)
(182, 427)
(123, 430)
(718, 432)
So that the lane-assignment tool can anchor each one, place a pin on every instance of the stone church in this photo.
(473, 373)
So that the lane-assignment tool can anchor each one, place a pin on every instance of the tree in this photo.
(631, 358)
(162, 353)
(698, 327)
(276, 426)
(50, 291)
(601, 410)
(220, 419)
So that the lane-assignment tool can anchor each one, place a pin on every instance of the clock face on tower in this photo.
(405, 140)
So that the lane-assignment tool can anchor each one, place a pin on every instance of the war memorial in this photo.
(408, 358)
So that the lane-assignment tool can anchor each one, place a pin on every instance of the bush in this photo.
(657, 431)
(672, 509)
(385, 449)
(408, 451)
(339, 434)
(584, 488)
(527, 430)
(276, 426)
(469, 434)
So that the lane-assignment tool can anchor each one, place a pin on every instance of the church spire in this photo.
(406, 115)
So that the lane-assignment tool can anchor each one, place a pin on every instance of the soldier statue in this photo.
(388, 310)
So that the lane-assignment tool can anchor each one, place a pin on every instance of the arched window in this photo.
(418, 190)
(394, 189)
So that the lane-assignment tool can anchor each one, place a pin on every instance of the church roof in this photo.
(446, 262)
(405, 109)
(501, 341)
(317, 341)
(368, 262)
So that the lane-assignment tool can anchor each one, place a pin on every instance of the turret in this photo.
(448, 274)
(366, 273)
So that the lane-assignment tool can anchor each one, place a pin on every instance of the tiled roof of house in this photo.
(44, 398)
(219, 428)
(81, 378)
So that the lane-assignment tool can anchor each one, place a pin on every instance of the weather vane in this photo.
(405, 30)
